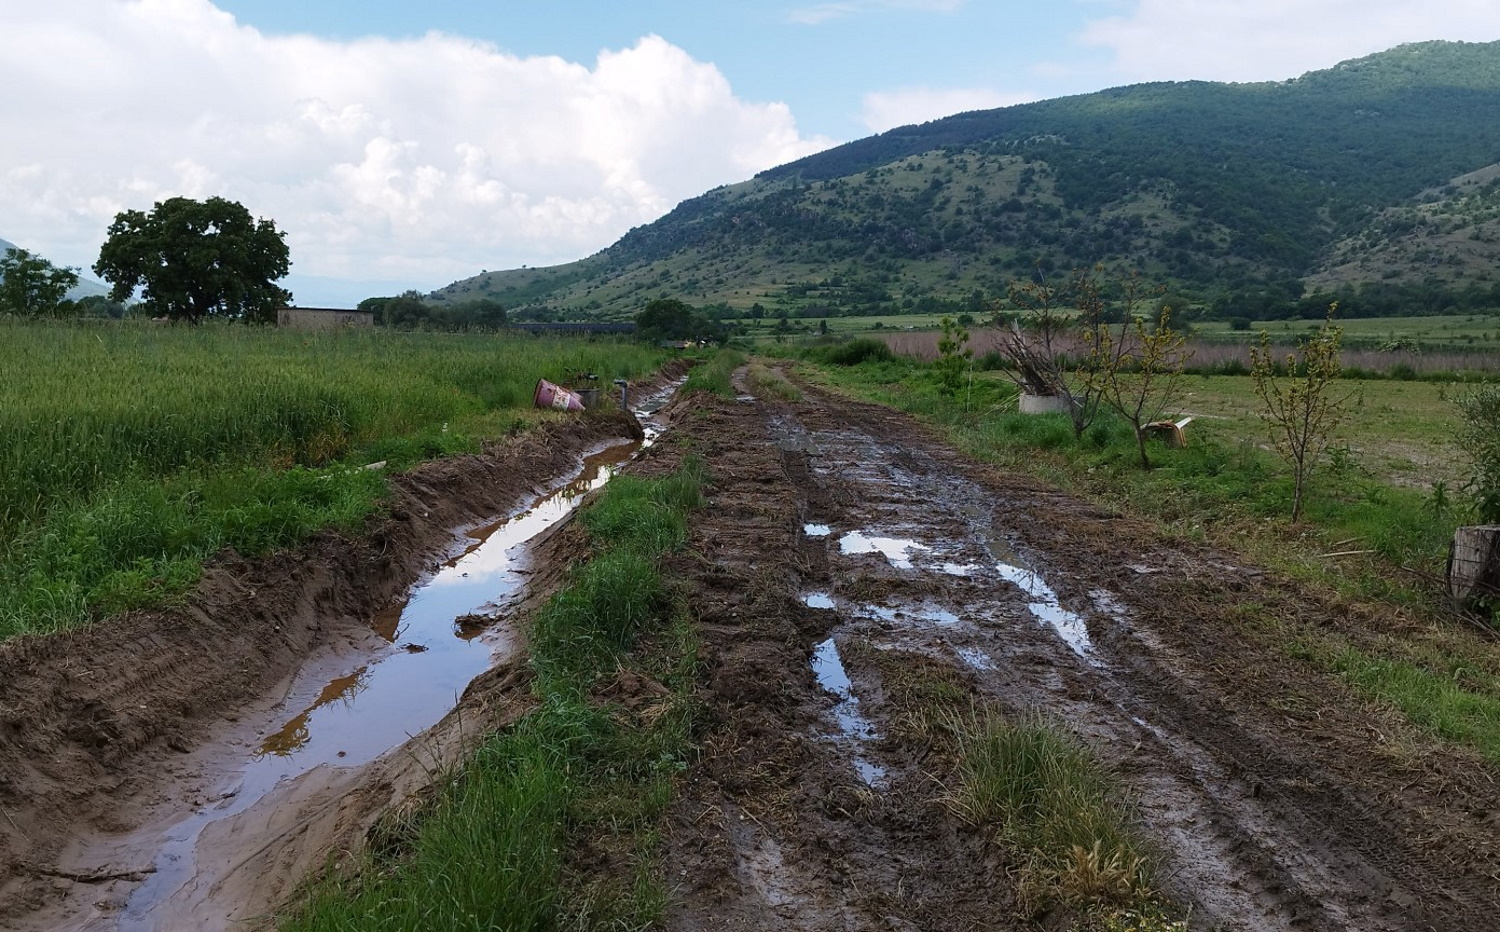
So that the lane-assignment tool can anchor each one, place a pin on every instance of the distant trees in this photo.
(197, 259)
(672, 319)
(30, 286)
(411, 311)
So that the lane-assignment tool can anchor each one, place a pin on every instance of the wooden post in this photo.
(1474, 562)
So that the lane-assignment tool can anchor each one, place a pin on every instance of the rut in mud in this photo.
(847, 554)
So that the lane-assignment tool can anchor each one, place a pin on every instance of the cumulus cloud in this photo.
(1232, 40)
(421, 159)
(885, 110)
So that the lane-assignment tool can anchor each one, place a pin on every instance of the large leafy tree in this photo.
(197, 259)
(30, 286)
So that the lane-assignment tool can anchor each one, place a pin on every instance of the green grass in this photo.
(517, 833)
(131, 452)
(1054, 805)
(714, 376)
(1435, 700)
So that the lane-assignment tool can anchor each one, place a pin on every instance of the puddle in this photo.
(1046, 607)
(816, 530)
(960, 569)
(894, 549)
(818, 600)
(828, 666)
(977, 659)
(433, 653)
(926, 613)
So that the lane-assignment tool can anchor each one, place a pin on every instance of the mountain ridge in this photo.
(1268, 188)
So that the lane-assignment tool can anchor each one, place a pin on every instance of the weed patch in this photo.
(1053, 805)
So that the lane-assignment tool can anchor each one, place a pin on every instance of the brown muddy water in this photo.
(351, 711)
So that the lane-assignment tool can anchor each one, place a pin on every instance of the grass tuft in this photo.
(1053, 804)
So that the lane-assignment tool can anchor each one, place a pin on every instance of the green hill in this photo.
(1229, 192)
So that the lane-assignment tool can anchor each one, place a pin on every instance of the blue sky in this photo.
(403, 144)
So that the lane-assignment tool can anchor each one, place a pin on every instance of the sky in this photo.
(402, 144)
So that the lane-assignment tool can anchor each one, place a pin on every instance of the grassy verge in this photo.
(1365, 540)
(553, 823)
(129, 453)
(714, 376)
(766, 382)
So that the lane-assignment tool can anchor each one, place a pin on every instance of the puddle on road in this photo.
(931, 614)
(816, 530)
(828, 666)
(960, 569)
(1046, 607)
(894, 549)
(818, 600)
(975, 658)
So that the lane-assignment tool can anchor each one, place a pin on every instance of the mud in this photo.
(848, 555)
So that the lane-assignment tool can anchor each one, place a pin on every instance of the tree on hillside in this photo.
(30, 286)
(197, 259)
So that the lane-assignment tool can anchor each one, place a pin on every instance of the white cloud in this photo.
(1235, 40)
(885, 110)
(421, 160)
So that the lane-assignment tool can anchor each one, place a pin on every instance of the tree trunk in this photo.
(1474, 562)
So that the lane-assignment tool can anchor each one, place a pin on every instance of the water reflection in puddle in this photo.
(406, 691)
(816, 530)
(925, 613)
(894, 549)
(818, 600)
(1045, 606)
(828, 666)
(977, 659)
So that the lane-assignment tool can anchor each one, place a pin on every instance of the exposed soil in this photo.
(847, 561)
(1278, 799)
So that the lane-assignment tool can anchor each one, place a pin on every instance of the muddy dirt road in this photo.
(848, 558)
(847, 562)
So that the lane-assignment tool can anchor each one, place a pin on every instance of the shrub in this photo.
(856, 351)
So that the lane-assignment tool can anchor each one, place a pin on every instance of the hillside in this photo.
(1219, 189)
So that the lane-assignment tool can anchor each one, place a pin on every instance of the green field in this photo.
(1463, 332)
(130, 452)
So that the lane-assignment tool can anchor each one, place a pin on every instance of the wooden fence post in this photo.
(1474, 562)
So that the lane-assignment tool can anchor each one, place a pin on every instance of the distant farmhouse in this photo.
(324, 318)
